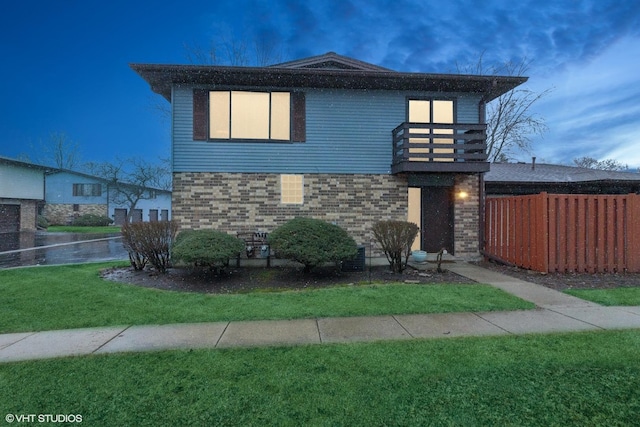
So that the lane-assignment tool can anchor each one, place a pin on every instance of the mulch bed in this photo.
(247, 279)
(562, 281)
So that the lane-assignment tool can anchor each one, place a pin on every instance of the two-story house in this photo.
(328, 137)
(70, 194)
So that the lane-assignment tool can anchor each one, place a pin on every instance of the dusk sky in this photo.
(65, 63)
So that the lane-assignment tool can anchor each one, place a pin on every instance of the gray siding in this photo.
(348, 131)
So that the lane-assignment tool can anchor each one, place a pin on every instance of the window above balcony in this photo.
(439, 147)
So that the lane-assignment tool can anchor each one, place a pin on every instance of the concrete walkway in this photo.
(556, 312)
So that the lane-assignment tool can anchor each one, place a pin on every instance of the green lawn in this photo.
(610, 297)
(88, 230)
(74, 296)
(581, 379)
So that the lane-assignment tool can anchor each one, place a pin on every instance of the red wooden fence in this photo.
(565, 232)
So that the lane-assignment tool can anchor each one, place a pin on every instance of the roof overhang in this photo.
(162, 78)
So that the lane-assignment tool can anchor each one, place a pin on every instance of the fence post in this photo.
(633, 231)
(542, 229)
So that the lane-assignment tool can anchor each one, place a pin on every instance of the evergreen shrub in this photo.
(92, 220)
(312, 242)
(210, 248)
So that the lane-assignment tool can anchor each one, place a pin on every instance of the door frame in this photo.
(428, 181)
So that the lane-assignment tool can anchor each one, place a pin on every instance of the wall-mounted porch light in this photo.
(462, 195)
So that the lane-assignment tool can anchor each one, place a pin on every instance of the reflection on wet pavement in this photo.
(40, 248)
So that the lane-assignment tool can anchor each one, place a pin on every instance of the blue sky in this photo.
(65, 62)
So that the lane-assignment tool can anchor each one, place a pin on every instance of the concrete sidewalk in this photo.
(557, 312)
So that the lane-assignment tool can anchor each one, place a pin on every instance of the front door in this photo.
(437, 219)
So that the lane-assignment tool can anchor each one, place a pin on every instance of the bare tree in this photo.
(607, 164)
(234, 52)
(60, 151)
(132, 180)
(510, 122)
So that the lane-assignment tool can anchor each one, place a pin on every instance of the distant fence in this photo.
(565, 232)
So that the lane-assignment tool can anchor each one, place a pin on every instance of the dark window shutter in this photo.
(75, 189)
(299, 117)
(200, 114)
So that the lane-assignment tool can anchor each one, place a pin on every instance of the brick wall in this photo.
(28, 214)
(467, 216)
(233, 202)
(63, 214)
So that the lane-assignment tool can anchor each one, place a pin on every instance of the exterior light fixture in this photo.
(463, 195)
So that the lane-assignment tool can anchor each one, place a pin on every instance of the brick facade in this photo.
(28, 215)
(467, 216)
(63, 214)
(233, 202)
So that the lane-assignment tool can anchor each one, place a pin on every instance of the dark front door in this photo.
(437, 219)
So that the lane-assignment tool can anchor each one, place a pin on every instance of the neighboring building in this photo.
(328, 137)
(21, 193)
(70, 194)
(533, 178)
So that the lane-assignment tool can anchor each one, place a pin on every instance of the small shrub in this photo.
(42, 222)
(395, 239)
(149, 242)
(207, 248)
(91, 220)
(312, 242)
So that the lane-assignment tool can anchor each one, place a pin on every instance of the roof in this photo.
(546, 173)
(324, 71)
(13, 162)
(97, 178)
(48, 170)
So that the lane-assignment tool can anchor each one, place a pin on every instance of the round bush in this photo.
(91, 220)
(312, 242)
(206, 247)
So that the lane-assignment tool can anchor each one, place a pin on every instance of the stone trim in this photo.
(64, 214)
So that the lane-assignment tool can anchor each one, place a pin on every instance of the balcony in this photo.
(429, 147)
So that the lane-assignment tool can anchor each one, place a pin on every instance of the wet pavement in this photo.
(42, 248)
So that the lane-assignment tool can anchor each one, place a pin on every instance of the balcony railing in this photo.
(429, 147)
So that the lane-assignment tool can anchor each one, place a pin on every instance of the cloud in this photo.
(594, 110)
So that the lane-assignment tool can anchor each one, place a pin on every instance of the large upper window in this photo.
(249, 115)
(229, 115)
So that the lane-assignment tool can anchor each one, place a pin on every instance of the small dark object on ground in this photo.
(248, 279)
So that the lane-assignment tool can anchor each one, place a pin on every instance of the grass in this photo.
(87, 230)
(588, 378)
(610, 297)
(74, 296)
